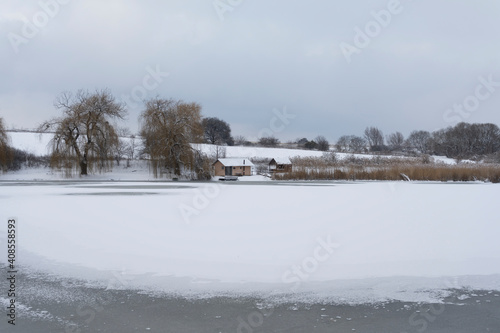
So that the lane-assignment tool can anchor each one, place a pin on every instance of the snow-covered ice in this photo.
(357, 242)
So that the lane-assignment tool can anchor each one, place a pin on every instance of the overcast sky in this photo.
(289, 68)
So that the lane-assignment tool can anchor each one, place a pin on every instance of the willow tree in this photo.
(168, 128)
(5, 151)
(84, 133)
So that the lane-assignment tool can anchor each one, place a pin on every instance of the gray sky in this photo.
(332, 67)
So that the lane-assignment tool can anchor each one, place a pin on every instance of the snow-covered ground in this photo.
(358, 242)
(34, 143)
(258, 152)
(138, 170)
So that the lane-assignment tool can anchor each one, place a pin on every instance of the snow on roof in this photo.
(235, 162)
(282, 160)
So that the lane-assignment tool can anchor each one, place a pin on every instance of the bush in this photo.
(269, 141)
(311, 145)
(21, 158)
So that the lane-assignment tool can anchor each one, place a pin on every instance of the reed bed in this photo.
(389, 169)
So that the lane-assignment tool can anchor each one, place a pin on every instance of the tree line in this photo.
(86, 137)
(462, 141)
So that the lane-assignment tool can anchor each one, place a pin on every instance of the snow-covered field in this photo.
(38, 144)
(259, 152)
(358, 242)
(34, 143)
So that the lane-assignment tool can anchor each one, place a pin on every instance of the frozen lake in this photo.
(243, 247)
(309, 238)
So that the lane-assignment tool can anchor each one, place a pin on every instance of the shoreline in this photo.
(54, 304)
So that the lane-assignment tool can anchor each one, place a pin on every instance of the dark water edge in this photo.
(52, 304)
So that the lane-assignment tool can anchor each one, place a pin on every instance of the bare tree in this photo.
(351, 144)
(358, 144)
(489, 138)
(240, 140)
(5, 151)
(323, 143)
(419, 140)
(124, 132)
(168, 128)
(269, 141)
(217, 152)
(466, 140)
(396, 140)
(131, 147)
(121, 150)
(342, 144)
(375, 138)
(84, 134)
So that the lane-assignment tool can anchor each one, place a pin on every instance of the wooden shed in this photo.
(280, 165)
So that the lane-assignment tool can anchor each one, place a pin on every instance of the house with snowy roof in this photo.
(280, 164)
(233, 167)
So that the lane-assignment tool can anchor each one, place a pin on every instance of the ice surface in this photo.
(361, 241)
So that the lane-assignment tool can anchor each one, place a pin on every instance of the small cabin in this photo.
(233, 167)
(280, 165)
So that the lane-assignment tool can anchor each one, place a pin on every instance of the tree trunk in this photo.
(177, 168)
(83, 168)
(83, 165)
